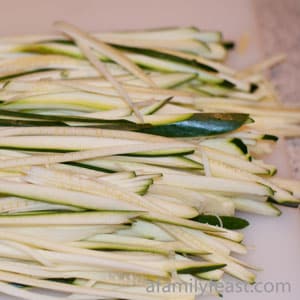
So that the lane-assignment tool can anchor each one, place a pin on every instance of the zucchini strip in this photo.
(39, 62)
(70, 218)
(102, 47)
(102, 69)
(87, 154)
(191, 240)
(64, 196)
(216, 184)
(11, 290)
(63, 287)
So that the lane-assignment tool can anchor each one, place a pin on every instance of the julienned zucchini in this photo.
(67, 218)
(190, 199)
(148, 59)
(170, 33)
(202, 124)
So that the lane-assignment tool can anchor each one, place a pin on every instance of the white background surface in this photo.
(274, 242)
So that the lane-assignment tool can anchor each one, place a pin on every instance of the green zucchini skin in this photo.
(164, 56)
(28, 123)
(228, 45)
(241, 145)
(55, 118)
(201, 124)
(232, 223)
(270, 137)
(195, 270)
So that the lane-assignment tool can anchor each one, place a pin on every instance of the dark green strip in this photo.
(193, 270)
(90, 167)
(233, 223)
(201, 124)
(270, 137)
(164, 56)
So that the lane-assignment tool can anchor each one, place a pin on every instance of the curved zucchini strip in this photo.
(201, 124)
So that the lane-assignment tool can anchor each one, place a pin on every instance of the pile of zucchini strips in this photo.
(124, 158)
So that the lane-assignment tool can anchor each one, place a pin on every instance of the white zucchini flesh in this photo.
(117, 278)
(86, 43)
(119, 176)
(225, 145)
(184, 278)
(36, 62)
(89, 187)
(169, 293)
(115, 164)
(137, 93)
(149, 148)
(61, 142)
(138, 243)
(191, 240)
(232, 160)
(62, 287)
(209, 243)
(172, 208)
(105, 259)
(177, 33)
(77, 183)
(13, 205)
(63, 261)
(64, 234)
(223, 170)
(137, 58)
(231, 245)
(161, 65)
(70, 74)
(9, 289)
(171, 161)
(116, 246)
(162, 80)
(189, 45)
(75, 170)
(272, 170)
(66, 131)
(167, 80)
(75, 143)
(215, 184)
(214, 275)
(146, 230)
(72, 100)
(292, 185)
(75, 218)
(64, 196)
(256, 207)
(205, 202)
(217, 91)
(36, 271)
(113, 238)
(112, 259)
(219, 67)
(157, 119)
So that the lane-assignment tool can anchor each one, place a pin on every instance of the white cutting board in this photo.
(275, 242)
